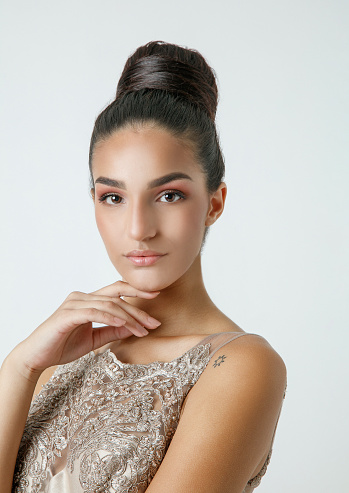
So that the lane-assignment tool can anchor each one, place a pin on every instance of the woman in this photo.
(169, 395)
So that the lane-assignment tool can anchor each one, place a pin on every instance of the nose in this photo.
(141, 221)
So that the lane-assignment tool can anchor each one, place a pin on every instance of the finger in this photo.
(113, 309)
(131, 315)
(91, 296)
(139, 315)
(108, 333)
(121, 288)
(76, 317)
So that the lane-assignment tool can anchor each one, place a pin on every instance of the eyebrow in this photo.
(152, 184)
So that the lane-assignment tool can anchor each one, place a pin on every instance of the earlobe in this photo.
(216, 206)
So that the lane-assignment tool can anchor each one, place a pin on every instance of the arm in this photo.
(16, 390)
(228, 422)
(18, 386)
(65, 336)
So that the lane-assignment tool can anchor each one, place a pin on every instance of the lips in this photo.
(144, 258)
(142, 253)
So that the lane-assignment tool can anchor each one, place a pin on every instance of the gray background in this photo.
(275, 261)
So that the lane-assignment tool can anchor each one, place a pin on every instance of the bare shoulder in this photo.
(249, 352)
(232, 409)
(250, 356)
(44, 378)
(246, 364)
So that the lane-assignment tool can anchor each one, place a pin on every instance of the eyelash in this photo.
(104, 197)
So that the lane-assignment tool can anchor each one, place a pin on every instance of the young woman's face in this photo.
(151, 205)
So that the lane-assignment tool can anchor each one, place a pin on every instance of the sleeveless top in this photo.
(100, 425)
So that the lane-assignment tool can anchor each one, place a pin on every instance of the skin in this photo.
(157, 312)
(138, 217)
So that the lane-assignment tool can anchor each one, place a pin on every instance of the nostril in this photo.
(141, 226)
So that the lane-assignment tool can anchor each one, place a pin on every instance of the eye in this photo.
(111, 199)
(172, 196)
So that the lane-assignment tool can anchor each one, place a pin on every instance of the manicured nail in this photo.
(141, 329)
(119, 322)
(153, 322)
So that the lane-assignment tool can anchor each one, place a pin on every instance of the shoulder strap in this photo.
(217, 341)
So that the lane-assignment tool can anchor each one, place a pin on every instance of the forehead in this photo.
(144, 152)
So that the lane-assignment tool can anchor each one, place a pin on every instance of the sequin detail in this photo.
(106, 425)
(114, 420)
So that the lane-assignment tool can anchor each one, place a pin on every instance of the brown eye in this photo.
(171, 197)
(111, 199)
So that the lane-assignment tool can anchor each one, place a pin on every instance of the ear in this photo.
(92, 192)
(216, 205)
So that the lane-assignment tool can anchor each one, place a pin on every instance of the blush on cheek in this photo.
(189, 232)
(196, 217)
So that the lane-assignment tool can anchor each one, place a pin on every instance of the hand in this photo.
(68, 333)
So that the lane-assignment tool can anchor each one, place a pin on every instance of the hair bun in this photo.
(172, 68)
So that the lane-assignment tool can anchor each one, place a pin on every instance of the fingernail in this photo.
(119, 321)
(153, 322)
(142, 330)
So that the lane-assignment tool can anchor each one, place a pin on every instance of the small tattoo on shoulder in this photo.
(219, 361)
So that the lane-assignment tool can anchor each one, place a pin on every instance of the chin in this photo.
(145, 285)
(145, 281)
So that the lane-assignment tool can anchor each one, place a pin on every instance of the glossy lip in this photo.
(142, 253)
(144, 258)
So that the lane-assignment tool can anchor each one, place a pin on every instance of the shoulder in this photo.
(250, 356)
(248, 363)
(231, 412)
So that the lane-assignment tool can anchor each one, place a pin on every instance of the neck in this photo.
(182, 308)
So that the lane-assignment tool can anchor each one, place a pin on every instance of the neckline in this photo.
(200, 343)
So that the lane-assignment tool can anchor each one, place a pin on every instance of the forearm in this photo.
(16, 391)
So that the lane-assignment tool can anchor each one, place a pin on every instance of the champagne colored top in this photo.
(102, 425)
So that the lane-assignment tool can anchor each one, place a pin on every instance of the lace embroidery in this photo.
(107, 422)
(254, 482)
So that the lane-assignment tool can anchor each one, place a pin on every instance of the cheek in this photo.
(190, 225)
(100, 223)
(104, 226)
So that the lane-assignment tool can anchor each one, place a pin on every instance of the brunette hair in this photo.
(174, 88)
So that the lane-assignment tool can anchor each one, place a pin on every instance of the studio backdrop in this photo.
(275, 262)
